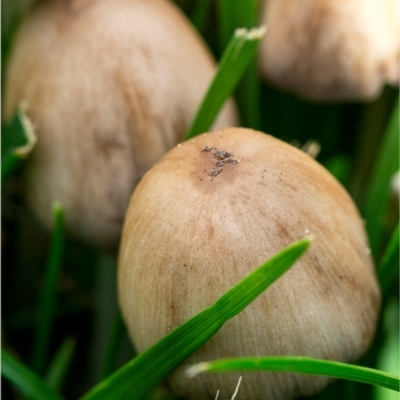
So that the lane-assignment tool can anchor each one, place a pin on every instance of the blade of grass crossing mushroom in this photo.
(141, 374)
(25, 379)
(377, 197)
(48, 295)
(233, 14)
(240, 51)
(17, 141)
(389, 265)
(61, 362)
(305, 365)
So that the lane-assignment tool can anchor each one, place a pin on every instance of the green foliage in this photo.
(118, 333)
(378, 191)
(234, 14)
(305, 365)
(26, 380)
(389, 266)
(236, 58)
(60, 364)
(17, 141)
(388, 357)
(47, 304)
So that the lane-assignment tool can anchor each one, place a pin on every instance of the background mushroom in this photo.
(212, 210)
(111, 86)
(332, 50)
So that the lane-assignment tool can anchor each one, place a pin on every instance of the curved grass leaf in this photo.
(141, 374)
(17, 141)
(233, 14)
(236, 58)
(116, 339)
(378, 193)
(47, 300)
(200, 14)
(388, 354)
(25, 379)
(304, 365)
(389, 265)
(105, 307)
(61, 362)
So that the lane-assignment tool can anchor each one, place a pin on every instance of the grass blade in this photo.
(389, 266)
(378, 193)
(60, 364)
(141, 374)
(305, 365)
(17, 141)
(25, 379)
(388, 355)
(114, 345)
(200, 14)
(339, 167)
(105, 307)
(233, 14)
(48, 296)
(236, 58)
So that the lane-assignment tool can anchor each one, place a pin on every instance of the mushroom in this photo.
(331, 50)
(212, 210)
(111, 86)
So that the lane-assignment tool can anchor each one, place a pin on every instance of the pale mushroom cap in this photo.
(332, 49)
(111, 85)
(188, 237)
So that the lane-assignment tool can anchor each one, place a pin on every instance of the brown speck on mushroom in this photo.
(220, 158)
(221, 153)
(215, 171)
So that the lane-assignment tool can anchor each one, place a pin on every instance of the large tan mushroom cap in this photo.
(332, 49)
(111, 86)
(189, 236)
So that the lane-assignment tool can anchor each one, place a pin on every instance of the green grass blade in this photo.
(389, 265)
(116, 340)
(17, 141)
(61, 362)
(25, 379)
(378, 193)
(200, 14)
(248, 97)
(105, 308)
(339, 167)
(48, 296)
(233, 14)
(236, 58)
(141, 374)
(388, 355)
(304, 365)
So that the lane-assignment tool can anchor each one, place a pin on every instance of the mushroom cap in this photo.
(332, 49)
(111, 86)
(190, 234)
